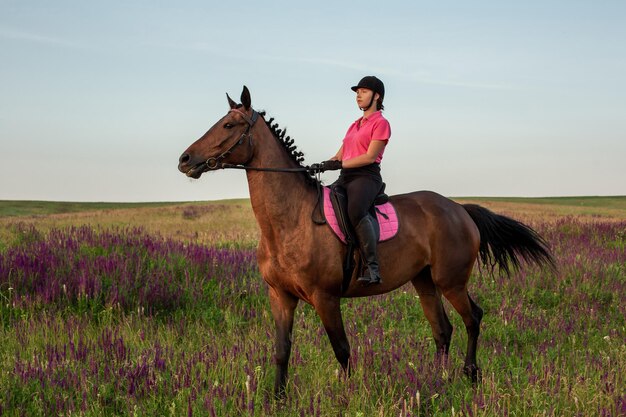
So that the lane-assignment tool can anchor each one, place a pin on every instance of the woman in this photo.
(359, 160)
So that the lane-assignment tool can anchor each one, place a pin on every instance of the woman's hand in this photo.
(331, 165)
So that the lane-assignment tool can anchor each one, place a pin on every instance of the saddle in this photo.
(336, 213)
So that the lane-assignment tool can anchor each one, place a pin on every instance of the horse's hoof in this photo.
(473, 372)
(280, 394)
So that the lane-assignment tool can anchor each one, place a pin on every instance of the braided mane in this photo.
(287, 143)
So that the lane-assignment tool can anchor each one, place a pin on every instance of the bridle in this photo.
(215, 163)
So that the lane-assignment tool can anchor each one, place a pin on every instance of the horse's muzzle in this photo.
(189, 167)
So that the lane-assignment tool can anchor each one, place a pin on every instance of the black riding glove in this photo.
(331, 165)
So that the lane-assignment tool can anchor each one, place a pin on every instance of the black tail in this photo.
(504, 241)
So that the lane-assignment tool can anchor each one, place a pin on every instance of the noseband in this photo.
(215, 162)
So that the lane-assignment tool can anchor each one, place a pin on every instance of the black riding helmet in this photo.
(372, 83)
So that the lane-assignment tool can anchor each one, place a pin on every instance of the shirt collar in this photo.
(373, 116)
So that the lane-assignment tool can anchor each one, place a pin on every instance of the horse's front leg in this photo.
(283, 306)
(329, 310)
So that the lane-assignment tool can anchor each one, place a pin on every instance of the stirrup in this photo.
(368, 280)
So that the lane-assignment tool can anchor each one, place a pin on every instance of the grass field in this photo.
(159, 309)
(608, 206)
(221, 223)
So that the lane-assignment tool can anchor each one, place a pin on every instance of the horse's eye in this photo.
(228, 126)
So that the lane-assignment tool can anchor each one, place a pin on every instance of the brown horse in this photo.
(436, 248)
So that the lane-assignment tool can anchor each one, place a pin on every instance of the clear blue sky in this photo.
(485, 98)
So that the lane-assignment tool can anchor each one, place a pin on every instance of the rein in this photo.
(215, 163)
(302, 169)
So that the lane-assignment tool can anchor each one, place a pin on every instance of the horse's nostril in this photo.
(184, 158)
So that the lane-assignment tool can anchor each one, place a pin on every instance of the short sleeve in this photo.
(382, 130)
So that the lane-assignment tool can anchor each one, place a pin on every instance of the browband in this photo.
(250, 120)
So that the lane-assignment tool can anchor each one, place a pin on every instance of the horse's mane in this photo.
(287, 143)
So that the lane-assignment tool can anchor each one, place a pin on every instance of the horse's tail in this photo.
(504, 241)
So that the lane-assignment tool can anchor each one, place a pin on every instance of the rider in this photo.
(359, 160)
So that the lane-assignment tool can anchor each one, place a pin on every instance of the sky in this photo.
(485, 98)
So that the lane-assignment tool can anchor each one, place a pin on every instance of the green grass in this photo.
(11, 208)
(15, 208)
(550, 345)
(604, 202)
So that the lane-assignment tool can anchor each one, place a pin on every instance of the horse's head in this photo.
(227, 141)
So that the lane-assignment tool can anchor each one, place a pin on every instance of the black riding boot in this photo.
(368, 239)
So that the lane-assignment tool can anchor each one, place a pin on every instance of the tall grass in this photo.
(119, 321)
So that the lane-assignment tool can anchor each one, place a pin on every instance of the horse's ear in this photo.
(231, 103)
(245, 98)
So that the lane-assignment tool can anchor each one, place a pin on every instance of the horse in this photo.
(438, 243)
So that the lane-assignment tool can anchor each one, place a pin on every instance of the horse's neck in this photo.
(278, 199)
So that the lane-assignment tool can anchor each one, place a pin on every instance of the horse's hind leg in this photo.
(430, 298)
(471, 315)
(283, 306)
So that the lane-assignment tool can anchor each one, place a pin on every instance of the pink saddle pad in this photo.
(388, 226)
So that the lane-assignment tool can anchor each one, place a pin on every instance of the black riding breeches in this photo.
(362, 185)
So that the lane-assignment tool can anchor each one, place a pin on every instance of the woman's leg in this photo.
(361, 193)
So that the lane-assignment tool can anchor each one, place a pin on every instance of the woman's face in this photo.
(363, 97)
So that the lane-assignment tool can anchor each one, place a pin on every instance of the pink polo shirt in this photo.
(358, 138)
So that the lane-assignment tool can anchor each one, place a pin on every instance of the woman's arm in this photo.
(375, 148)
(338, 155)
